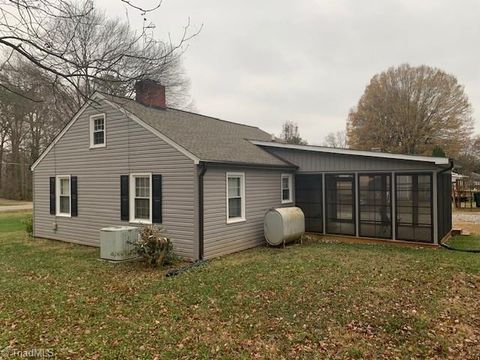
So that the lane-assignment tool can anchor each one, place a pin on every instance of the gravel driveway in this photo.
(475, 218)
(467, 221)
(27, 206)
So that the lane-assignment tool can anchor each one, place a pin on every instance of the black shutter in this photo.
(74, 196)
(52, 196)
(124, 198)
(157, 199)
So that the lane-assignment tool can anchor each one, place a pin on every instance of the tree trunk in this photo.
(2, 144)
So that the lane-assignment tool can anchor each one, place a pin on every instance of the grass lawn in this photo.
(12, 221)
(462, 242)
(313, 301)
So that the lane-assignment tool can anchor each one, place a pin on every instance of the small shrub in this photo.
(154, 246)
(28, 223)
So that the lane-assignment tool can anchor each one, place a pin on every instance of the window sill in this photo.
(236, 220)
(97, 146)
(138, 221)
(287, 202)
(64, 215)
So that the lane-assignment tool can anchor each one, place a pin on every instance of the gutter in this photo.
(338, 151)
(202, 169)
(450, 167)
(288, 165)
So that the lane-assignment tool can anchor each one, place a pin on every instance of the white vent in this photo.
(115, 243)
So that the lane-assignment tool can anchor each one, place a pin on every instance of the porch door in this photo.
(340, 199)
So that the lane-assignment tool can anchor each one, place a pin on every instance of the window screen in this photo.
(142, 197)
(97, 128)
(99, 131)
(234, 197)
(64, 195)
(286, 188)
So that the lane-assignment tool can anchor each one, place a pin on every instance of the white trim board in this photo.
(243, 210)
(323, 149)
(94, 117)
(289, 176)
(58, 189)
(95, 96)
(132, 196)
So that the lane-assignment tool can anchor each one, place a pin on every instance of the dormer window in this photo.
(98, 127)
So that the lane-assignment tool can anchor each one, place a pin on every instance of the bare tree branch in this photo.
(143, 10)
(49, 34)
(290, 133)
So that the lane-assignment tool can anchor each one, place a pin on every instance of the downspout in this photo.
(202, 169)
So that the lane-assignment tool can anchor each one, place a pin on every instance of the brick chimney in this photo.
(150, 93)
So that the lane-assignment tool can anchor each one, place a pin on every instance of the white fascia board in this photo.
(323, 149)
(64, 130)
(139, 121)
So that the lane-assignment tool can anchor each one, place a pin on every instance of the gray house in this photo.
(209, 182)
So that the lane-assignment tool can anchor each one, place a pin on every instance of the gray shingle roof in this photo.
(207, 138)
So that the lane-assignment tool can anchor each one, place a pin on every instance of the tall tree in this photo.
(105, 50)
(28, 125)
(3, 141)
(290, 133)
(468, 160)
(411, 110)
(336, 139)
(50, 34)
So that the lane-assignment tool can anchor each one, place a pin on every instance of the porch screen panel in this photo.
(340, 207)
(444, 204)
(375, 205)
(308, 197)
(414, 207)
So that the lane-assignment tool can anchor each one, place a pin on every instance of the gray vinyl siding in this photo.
(130, 149)
(262, 192)
(310, 161)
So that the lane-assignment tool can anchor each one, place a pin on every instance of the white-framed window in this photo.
(235, 197)
(141, 198)
(286, 186)
(98, 131)
(63, 195)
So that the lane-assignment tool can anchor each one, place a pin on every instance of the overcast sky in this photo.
(264, 62)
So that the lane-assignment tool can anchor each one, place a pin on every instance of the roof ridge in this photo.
(211, 117)
(185, 111)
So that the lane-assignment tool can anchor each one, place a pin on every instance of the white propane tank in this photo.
(283, 225)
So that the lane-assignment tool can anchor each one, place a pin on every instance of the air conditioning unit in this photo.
(115, 243)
